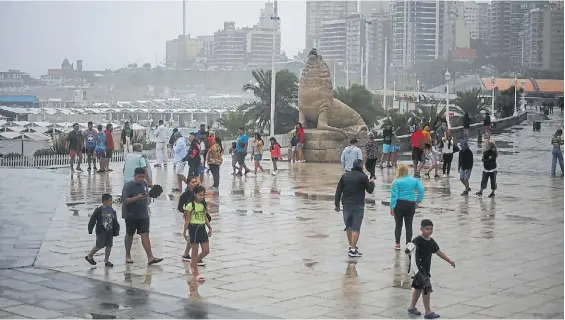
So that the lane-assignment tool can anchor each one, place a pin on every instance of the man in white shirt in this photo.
(180, 150)
(161, 144)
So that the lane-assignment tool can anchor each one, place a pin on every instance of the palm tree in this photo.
(400, 121)
(230, 124)
(361, 100)
(429, 115)
(470, 102)
(286, 100)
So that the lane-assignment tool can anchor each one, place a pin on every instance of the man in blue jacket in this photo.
(351, 192)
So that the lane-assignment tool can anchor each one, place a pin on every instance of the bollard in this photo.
(480, 138)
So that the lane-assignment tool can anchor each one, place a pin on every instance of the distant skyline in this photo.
(38, 35)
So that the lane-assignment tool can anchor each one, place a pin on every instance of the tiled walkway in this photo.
(279, 249)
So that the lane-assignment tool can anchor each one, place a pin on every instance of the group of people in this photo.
(296, 144)
(96, 143)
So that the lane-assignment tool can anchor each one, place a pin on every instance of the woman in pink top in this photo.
(275, 154)
(300, 145)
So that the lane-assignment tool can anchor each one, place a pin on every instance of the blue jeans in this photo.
(557, 155)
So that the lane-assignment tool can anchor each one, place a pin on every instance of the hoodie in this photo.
(352, 186)
(350, 154)
(465, 158)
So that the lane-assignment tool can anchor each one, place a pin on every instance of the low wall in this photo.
(456, 132)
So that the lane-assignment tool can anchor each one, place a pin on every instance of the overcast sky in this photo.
(38, 35)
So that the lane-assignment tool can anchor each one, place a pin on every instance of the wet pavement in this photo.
(279, 250)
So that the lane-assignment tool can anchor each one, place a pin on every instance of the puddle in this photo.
(318, 236)
(303, 219)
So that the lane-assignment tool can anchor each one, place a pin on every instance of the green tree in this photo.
(429, 115)
(230, 124)
(286, 100)
(470, 102)
(361, 100)
(504, 101)
(147, 65)
(401, 121)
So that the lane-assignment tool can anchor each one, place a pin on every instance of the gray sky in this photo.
(38, 35)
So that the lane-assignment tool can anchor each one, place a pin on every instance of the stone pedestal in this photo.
(327, 146)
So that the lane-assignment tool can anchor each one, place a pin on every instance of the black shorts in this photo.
(417, 154)
(241, 157)
(109, 153)
(139, 225)
(105, 239)
(421, 282)
(197, 233)
(90, 152)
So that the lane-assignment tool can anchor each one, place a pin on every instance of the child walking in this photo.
(195, 222)
(421, 250)
(233, 153)
(107, 227)
(275, 154)
(434, 155)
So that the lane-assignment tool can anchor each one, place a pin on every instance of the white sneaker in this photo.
(444, 176)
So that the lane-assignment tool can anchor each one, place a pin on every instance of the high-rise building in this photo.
(230, 46)
(418, 31)
(484, 20)
(355, 38)
(471, 17)
(260, 38)
(332, 43)
(174, 51)
(506, 24)
(543, 38)
(378, 31)
(368, 7)
(320, 11)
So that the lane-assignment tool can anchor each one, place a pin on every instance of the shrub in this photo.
(12, 155)
(44, 152)
(60, 144)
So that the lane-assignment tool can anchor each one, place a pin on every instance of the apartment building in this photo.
(230, 46)
(355, 37)
(543, 38)
(484, 20)
(318, 12)
(174, 50)
(471, 11)
(260, 47)
(418, 31)
(369, 7)
(378, 32)
(332, 40)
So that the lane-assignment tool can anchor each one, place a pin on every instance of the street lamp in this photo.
(515, 84)
(418, 90)
(385, 72)
(447, 78)
(276, 20)
(493, 82)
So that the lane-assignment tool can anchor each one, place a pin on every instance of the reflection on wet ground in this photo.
(279, 249)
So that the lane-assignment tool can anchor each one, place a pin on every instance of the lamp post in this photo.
(493, 82)
(447, 78)
(385, 72)
(418, 90)
(515, 84)
(276, 20)
(523, 96)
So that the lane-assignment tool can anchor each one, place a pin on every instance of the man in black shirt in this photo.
(387, 141)
(75, 142)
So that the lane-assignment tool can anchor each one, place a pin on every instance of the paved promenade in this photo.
(279, 249)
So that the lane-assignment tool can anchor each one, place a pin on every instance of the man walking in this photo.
(350, 154)
(417, 142)
(75, 143)
(90, 138)
(127, 137)
(136, 213)
(179, 151)
(465, 166)
(161, 144)
(133, 161)
(351, 192)
(241, 150)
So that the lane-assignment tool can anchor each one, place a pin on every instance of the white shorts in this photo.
(179, 167)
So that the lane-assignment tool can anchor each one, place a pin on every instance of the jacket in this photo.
(404, 188)
(350, 154)
(489, 160)
(75, 140)
(123, 136)
(371, 148)
(160, 134)
(215, 155)
(352, 186)
(96, 219)
(466, 159)
(193, 155)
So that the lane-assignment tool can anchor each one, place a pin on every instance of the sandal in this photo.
(154, 261)
(90, 260)
(414, 311)
(200, 278)
(129, 261)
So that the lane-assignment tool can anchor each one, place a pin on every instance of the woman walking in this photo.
(447, 151)
(489, 169)
(257, 152)
(300, 145)
(557, 142)
(403, 202)
(275, 154)
(215, 160)
(371, 148)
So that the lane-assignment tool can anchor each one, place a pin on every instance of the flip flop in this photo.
(129, 261)
(200, 278)
(154, 261)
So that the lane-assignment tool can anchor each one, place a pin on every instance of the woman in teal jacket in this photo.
(406, 193)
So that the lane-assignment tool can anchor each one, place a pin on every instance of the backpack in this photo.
(205, 209)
